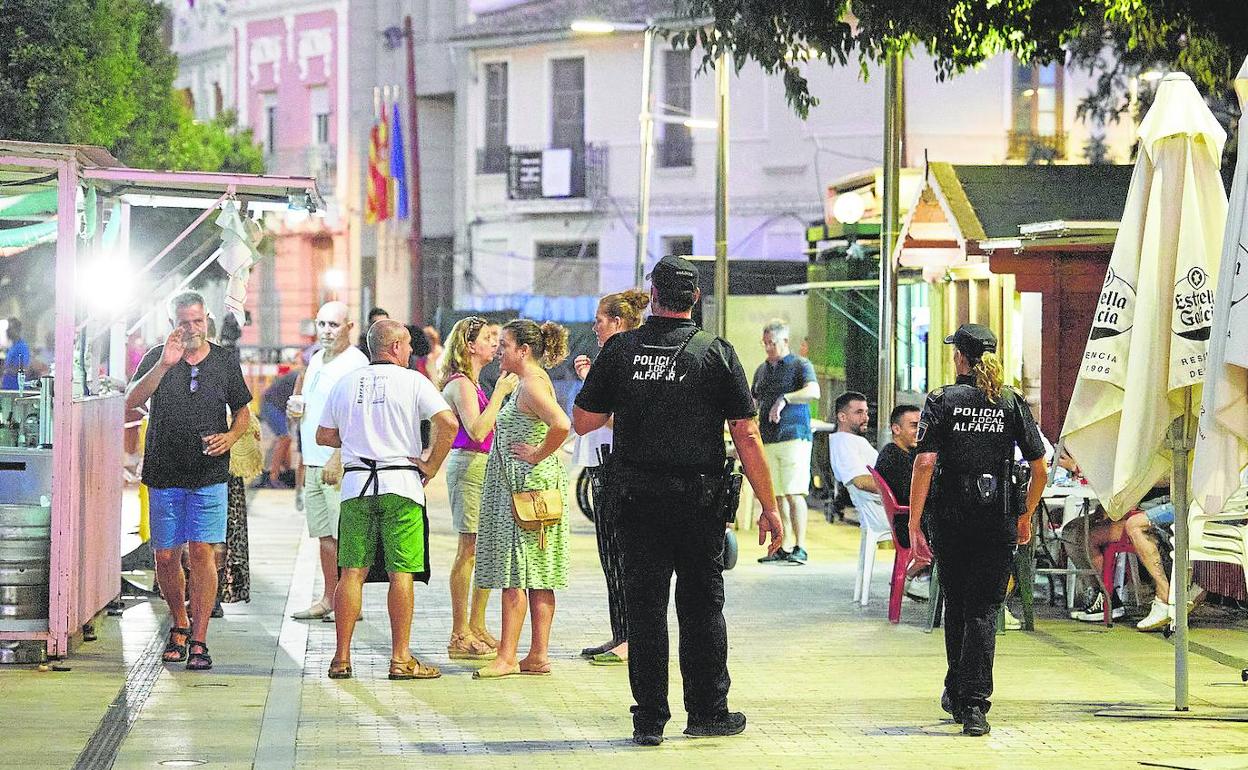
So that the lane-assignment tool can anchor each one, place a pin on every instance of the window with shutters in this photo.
(676, 148)
(567, 103)
(494, 154)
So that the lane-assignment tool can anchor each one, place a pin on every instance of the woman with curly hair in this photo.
(529, 566)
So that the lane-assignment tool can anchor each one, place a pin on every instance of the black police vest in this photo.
(980, 435)
(667, 419)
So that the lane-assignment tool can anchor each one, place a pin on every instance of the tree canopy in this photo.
(99, 72)
(1208, 39)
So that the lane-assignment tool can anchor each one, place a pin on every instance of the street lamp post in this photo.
(890, 226)
(646, 118)
(721, 196)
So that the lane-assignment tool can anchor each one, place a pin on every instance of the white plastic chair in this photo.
(1215, 538)
(874, 527)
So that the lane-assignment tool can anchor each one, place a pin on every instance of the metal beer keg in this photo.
(24, 563)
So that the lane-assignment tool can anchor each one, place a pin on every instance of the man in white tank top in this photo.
(336, 359)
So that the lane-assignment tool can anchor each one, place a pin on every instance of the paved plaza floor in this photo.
(824, 682)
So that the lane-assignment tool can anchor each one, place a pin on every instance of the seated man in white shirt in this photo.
(373, 414)
(850, 453)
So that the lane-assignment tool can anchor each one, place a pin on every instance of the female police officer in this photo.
(967, 432)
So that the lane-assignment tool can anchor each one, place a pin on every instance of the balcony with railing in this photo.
(552, 173)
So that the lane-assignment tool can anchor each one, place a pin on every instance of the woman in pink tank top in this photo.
(473, 343)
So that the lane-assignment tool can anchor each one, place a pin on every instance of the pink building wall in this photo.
(283, 65)
(280, 65)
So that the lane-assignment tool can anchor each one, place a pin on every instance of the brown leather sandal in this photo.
(412, 669)
(484, 636)
(340, 669)
(468, 647)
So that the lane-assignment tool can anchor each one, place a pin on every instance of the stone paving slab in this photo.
(824, 682)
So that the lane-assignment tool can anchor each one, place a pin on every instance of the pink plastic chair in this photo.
(901, 562)
(1110, 565)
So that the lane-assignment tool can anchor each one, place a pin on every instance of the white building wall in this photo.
(779, 165)
(204, 43)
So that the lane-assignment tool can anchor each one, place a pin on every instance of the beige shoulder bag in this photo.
(536, 510)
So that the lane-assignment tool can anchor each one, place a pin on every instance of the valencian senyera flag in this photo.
(377, 199)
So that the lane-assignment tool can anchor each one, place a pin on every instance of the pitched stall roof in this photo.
(1003, 198)
(974, 205)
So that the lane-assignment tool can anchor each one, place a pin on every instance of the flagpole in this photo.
(413, 139)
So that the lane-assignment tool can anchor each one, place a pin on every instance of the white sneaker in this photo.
(919, 587)
(1011, 623)
(1159, 616)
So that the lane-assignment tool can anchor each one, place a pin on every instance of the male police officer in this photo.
(671, 387)
(968, 430)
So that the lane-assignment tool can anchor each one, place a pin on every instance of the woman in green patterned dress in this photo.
(529, 430)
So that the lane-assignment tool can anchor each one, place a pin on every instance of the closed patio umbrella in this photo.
(1222, 437)
(1144, 361)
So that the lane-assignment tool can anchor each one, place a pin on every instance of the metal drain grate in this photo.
(101, 750)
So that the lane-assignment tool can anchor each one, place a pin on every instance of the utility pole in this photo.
(414, 238)
(890, 226)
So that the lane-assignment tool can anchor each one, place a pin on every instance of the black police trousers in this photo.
(667, 527)
(611, 556)
(974, 551)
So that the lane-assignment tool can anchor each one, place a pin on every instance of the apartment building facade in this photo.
(306, 78)
(549, 151)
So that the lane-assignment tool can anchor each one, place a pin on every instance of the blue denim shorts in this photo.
(275, 418)
(179, 516)
(1161, 515)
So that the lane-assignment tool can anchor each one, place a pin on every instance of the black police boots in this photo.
(730, 723)
(974, 722)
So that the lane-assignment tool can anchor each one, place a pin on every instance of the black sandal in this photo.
(199, 659)
(178, 651)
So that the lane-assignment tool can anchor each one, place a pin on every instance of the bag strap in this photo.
(681, 349)
(703, 344)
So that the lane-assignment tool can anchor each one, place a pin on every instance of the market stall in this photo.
(61, 467)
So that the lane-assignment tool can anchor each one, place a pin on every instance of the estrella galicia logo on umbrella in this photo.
(1115, 309)
(1193, 306)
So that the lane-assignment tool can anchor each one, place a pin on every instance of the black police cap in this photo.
(674, 274)
(973, 340)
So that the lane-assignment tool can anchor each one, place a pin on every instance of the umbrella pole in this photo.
(1180, 446)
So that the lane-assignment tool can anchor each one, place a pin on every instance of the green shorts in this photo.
(398, 523)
